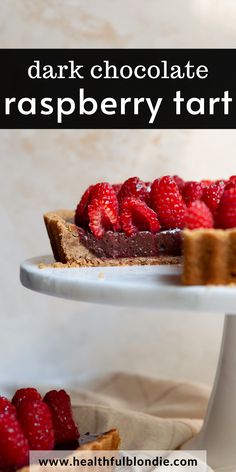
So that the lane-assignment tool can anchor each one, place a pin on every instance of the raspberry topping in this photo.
(103, 211)
(117, 188)
(137, 216)
(231, 182)
(212, 194)
(25, 394)
(206, 183)
(35, 419)
(226, 214)
(14, 448)
(198, 216)
(6, 406)
(168, 203)
(81, 212)
(232, 178)
(134, 187)
(180, 182)
(165, 204)
(192, 191)
(65, 428)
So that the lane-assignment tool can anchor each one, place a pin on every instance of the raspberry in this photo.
(25, 394)
(231, 182)
(117, 188)
(81, 212)
(206, 183)
(6, 406)
(212, 194)
(35, 419)
(226, 213)
(14, 448)
(137, 216)
(103, 209)
(168, 203)
(192, 191)
(180, 182)
(133, 187)
(198, 216)
(148, 186)
(232, 178)
(65, 428)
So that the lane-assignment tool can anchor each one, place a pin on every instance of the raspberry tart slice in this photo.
(133, 223)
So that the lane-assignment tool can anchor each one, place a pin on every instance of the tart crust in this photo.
(68, 250)
(108, 441)
(209, 257)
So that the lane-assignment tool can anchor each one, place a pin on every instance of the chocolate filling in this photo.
(83, 439)
(143, 244)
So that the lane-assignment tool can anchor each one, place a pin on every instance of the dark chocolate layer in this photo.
(143, 244)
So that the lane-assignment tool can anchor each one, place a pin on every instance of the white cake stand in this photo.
(159, 287)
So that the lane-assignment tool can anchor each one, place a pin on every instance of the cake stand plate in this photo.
(141, 286)
(159, 287)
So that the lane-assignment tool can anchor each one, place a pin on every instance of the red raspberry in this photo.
(231, 182)
(81, 212)
(206, 183)
(65, 428)
(137, 216)
(226, 213)
(25, 394)
(180, 182)
(192, 191)
(117, 188)
(6, 406)
(212, 195)
(232, 178)
(148, 186)
(133, 187)
(36, 421)
(198, 216)
(103, 209)
(168, 203)
(14, 448)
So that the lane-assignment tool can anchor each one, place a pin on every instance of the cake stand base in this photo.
(218, 434)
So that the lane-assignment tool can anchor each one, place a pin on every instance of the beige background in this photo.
(49, 340)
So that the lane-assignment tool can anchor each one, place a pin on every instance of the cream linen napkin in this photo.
(149, 413)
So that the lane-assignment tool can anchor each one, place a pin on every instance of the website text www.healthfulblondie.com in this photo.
(126, 461)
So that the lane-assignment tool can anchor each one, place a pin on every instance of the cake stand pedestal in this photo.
(152, 287)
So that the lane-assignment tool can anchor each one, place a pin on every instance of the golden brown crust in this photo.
(69, 252)
(209, 257)
(108, 441)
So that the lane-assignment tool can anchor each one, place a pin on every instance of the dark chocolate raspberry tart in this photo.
(148, 223)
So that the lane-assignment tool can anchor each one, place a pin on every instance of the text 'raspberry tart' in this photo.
(146, 223)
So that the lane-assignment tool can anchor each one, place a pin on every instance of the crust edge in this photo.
(209, 257)
(107, 441)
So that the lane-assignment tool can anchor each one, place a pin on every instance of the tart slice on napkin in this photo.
(32, 423)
